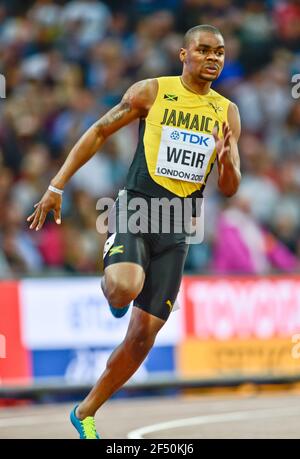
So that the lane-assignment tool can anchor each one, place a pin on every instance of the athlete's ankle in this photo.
(82, 413)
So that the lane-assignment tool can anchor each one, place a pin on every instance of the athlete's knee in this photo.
(121, 292)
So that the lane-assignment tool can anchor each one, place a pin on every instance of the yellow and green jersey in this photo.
(176, 148)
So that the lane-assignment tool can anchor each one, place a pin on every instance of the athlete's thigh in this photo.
(162, 282)
(126, 258)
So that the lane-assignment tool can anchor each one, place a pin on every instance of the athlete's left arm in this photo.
(228, 153)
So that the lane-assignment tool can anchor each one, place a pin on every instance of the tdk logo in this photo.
(194, 139)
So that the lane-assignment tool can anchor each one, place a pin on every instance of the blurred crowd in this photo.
(68, 62)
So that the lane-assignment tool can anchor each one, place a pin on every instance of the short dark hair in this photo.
(199, 28)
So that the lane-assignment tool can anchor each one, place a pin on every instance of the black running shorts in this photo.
(161, 254)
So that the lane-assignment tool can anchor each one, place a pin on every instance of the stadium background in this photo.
(66, 63)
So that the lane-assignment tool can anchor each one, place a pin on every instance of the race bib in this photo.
(184, 155)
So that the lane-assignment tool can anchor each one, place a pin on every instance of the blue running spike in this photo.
(119, 312)
(85, 427)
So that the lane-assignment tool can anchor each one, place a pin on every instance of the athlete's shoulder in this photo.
(232, 111)
(216, 95)
(142, 94)
(171, 82)
(228, 107)
(166, 78)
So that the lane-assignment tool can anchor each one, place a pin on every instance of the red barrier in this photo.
(14, 358)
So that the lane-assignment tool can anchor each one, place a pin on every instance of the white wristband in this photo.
(55, 190)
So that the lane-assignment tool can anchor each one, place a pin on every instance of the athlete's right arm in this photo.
(135, 104)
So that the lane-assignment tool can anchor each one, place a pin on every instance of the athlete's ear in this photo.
(182, 55)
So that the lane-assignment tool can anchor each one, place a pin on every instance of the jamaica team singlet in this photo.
(176, 148)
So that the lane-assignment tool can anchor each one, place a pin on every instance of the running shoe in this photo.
(119, 312)
(85, 427)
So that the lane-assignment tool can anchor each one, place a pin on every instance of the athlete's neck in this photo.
(198, 87)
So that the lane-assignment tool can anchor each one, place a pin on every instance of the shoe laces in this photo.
(89, 427)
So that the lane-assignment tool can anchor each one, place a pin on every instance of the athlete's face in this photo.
(204, 56)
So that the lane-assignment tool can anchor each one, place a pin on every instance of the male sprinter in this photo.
(147, 268)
